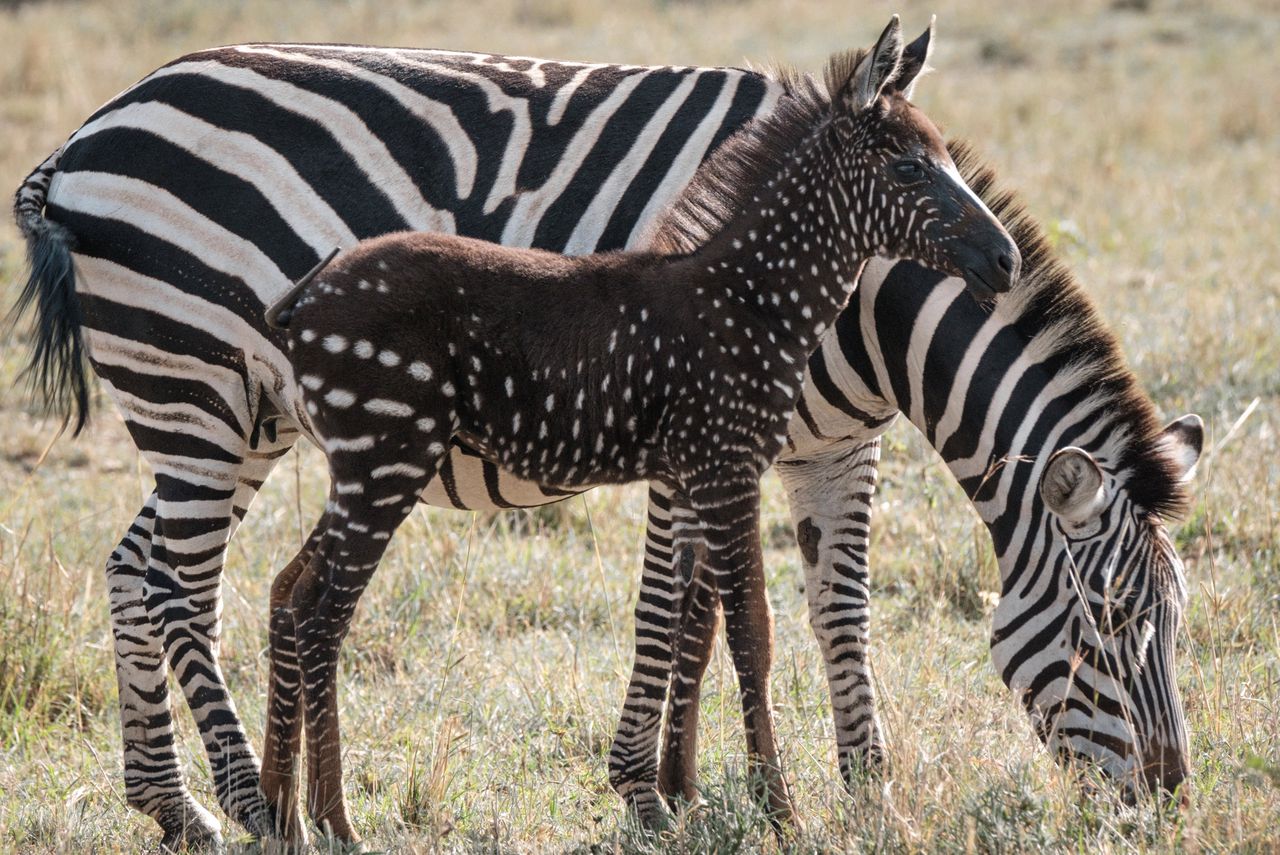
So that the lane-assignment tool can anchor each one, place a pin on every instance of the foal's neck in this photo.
(792, 256)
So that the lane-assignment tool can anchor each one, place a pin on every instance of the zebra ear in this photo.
(1072, 485)
(915, 62)
(1181, 441)
(875, 70)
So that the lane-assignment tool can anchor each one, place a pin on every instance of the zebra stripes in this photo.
(197, 195)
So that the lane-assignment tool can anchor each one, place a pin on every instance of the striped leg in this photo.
(149, 608)
(830, 497)
(183, 594)
(153, 778)
(281, 749)
(728, 507)
(695, 636)
(633, 766)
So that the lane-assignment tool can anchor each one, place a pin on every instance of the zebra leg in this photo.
(633, 768)
(694, 640)
(152, 776)
(195, 516)
(676, 617)
(728, 507)
(830, 497)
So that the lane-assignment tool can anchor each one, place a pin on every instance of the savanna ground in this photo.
(483, 674)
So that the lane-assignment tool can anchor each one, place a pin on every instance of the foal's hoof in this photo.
(334, 845)
(285, 839)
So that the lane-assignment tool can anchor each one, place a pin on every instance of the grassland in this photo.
(482, 677)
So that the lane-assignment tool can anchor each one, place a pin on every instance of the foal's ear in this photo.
(875, 70)
(915, 62)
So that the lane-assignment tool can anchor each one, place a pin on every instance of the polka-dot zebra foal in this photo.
(681, 364)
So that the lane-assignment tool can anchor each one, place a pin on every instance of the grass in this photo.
(483, 673)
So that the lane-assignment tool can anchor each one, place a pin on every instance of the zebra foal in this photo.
(680, 368)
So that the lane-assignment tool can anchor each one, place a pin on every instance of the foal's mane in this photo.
(1049, 298)
(725, 183)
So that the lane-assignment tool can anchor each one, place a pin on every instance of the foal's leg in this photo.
(282, 741)
(632, 758)
(831, 499)
(727, 503)
(365, 508)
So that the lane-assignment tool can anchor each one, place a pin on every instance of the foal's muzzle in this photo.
(992, 272)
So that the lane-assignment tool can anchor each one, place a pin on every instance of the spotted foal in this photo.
(681, 365)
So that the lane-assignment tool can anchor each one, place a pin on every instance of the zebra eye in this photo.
(909, 170)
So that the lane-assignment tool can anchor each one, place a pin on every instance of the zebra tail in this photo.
(56, 371)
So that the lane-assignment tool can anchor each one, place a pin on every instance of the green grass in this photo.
(483, 673)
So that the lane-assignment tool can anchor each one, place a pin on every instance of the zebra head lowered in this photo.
(1098, 677)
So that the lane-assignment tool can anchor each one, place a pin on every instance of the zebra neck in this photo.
(993, 401)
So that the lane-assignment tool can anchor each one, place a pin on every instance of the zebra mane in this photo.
(1049, 296)
(726, 182)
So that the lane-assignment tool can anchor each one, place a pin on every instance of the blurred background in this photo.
(484, 670)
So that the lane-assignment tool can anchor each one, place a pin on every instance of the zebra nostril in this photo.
(1006, 263)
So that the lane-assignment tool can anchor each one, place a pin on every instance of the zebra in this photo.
(197, 195)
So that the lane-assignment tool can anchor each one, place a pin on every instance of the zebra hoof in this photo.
(192, 837)
(857, 770)
(258, 819)
(647, 809)
(188, 827)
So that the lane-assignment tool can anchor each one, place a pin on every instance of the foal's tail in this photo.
(56, 370)
(280, 312)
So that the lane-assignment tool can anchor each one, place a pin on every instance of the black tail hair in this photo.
(56, 371)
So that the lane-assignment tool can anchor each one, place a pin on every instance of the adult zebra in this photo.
(197, 195)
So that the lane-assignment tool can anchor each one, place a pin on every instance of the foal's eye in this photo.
(909, 170)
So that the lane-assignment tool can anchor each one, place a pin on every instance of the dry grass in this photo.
(483, 674)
